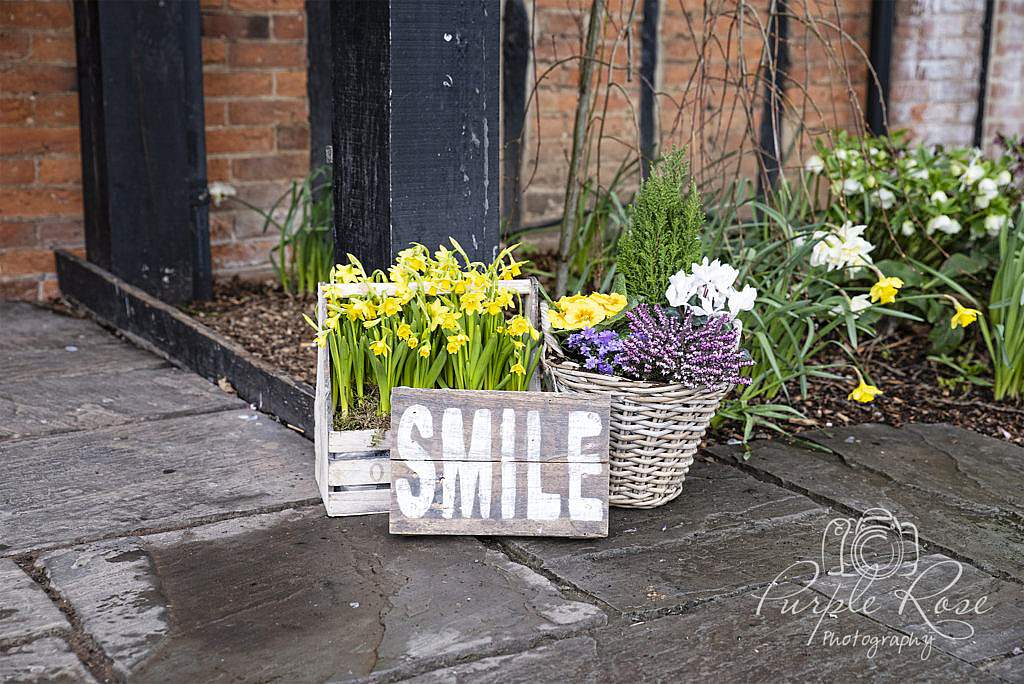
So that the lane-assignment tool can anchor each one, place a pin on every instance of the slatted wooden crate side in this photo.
(353, 467)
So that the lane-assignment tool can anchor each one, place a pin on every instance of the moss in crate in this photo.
(362, 416)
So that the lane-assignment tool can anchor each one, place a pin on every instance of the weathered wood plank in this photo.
(349, 441)
(358, 502)
(359, 471)
(512, 463)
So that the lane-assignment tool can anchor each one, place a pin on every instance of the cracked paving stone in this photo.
(727, 531)
(113, 481)
(1011, 669)
(971, 614)
(963, 491)
(329, 598)
(43, 660)
(25, 609)
(567, 660)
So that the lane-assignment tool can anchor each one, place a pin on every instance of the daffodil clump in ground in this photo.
(431, 321)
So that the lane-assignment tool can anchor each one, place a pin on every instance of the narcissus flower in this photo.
(380, 348)
(864, 393)
(517, 368)
(885, 289)
(404, 332)
(964, 316)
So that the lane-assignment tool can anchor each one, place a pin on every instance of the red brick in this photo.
(215, 113)
(60, 170)
(237, 83)
(218, 169)
(280, 112)
(49, 289)
(270, 167)
(236, 25)
(241, 254)
(267, 55)
(17, 171)
(41, 202)
(23, 289)
(62, 234)
(293, 137)
(290, 83)
(222, 227)
(23, 141)
(25, 262)
(238, 139)
(289, 26)
(14, 110)
(215, 50)
(13, 44)
(59, 48)
(33, 78)
(266, 5)
(35, 14)
(57, 109)
(21, 234)
(211, 4)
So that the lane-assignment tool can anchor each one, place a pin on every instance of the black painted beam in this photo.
(986, 50)
(515, 62)
(769, 149)
(318, 81)
(143, 144)
(883, 23)
(416, 126)
(649, 44)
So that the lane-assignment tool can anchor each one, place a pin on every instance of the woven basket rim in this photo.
(630, 384)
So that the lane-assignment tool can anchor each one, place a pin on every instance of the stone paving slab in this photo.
(1010, 669)
(726, 532)
(160, 474)
(43, 660)
(962, 490)
(56, 403)
(320, 598)
(25, 609)
(84, 357)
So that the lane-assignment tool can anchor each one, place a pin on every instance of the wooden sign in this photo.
(501, 463)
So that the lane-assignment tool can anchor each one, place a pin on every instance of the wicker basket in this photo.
(654, 433)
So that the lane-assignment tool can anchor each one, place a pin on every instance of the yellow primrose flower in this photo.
(864, 392)
(611, 303)
(557, 320)
(404, 331)
(585, 313)
(517, 368)
(569, 300)
(380, 348)
(472, 302)
(391, 306)
(963, 316)
(885, 289)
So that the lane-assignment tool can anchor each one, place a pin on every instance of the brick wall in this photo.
(1004, 110)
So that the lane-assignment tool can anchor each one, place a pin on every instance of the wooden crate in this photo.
(353, 468)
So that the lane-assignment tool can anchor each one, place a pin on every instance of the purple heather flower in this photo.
(663, 348)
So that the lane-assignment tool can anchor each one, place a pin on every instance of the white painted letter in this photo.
(412, 453)
(582, 424)
(539, 505)
(473, 473)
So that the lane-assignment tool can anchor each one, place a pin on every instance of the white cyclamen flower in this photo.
(852, 186)
(987, 191)
(973, 173)
(884, 197)
(219, 191)
(1003, 178)
(994, 224)
(938, 197)
(815, 165)
(681, 287)
(907, 229)
(741, 300)
(944, 224)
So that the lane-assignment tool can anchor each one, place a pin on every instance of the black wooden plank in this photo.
(318, 80)
(649, 37)
(184, 341)
(883, 23)
(769, 148)
(416, 127)
(143, 149)
(515, 61)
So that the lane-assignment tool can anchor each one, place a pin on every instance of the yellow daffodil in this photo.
(450, 321)
(512, 270)
(518, 326)
(391, 306)
(964, 316)
(359, 309)
(372, 323)
(517, 368)
(412, 342)
(404, 331)
(472, 302)
(380, 348)
(456, 342)
(885, 289)
(518, 344)
(345, 274)
(425, 350)
(864, 392)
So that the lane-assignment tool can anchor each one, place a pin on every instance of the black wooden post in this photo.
(318, 81)
(416, 126)
(515, 61)
(770, 148)
(144, 145)
(883, 21)
(648, 76)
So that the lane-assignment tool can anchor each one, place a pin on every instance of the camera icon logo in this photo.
(875, 546)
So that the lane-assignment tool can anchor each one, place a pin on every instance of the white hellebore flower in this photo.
(973, 173)
(920, 174)
(987, 191)
(841, 154)
(815, 165)
(741, 300)
(219, 191)
(938, 197)
(855, 304)
(943, 224)
(994, 224)
(852, 186)
(907, 229)
(843, 247)
(1003, 178)
(884, 197)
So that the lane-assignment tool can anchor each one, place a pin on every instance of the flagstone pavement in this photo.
(156, 529)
